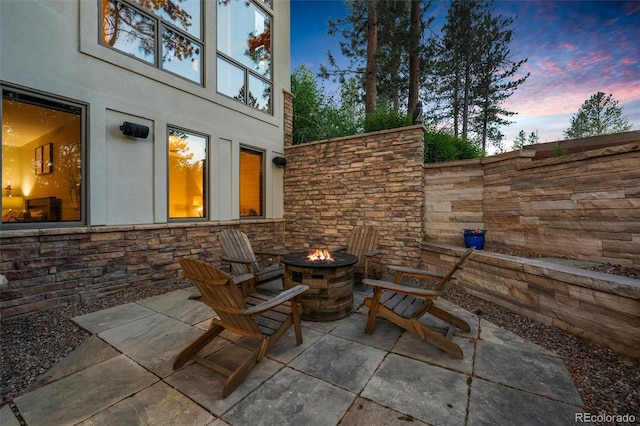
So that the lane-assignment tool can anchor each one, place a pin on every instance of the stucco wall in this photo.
(57, 53)
(372, 179)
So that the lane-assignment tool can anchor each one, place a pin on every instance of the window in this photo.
(251, 183)
(42, 143)
(168, 35)
(187, 174)
(244, 53)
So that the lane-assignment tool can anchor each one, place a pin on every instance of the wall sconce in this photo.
(135, 130)
(279, 161)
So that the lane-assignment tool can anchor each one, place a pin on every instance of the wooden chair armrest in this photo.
(372, 253)
(279, 299)
(415, 272)
(413, 291)
(239, 279)
(237, 260)
(341, 248)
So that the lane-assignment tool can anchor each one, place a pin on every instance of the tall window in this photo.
(251, 183)
(244, 53)
(166, 34)
(187, 174)
(42, 140)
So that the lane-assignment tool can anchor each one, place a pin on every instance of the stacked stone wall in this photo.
(583, 206)
(51, 267)
(372, 179)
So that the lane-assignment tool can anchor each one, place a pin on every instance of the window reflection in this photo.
(230, 80)
(187, 166)
(180, 55)
(134, 31)
(244, 53)
(244, 34)
(127, 30)
(251, 183)
(259, 94)
(183, 14)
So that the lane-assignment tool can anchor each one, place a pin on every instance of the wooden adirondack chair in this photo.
(363, 243)
(243, 259)
(404, 305)
(258, 316)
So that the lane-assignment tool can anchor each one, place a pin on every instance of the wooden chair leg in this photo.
(450, 318)
(196, 346)
(373, 310)
(438, 340)
(241, 373)
(295, 315)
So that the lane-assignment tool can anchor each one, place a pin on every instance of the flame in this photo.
(319, 255)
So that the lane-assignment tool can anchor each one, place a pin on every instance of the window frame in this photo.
(52, 101)
(205, 177)
(264, 8)
(160, 25)
(262, 191)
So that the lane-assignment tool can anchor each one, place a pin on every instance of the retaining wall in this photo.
(583, 206)
(599, 307)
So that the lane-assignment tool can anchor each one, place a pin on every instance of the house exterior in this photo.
(132, 112)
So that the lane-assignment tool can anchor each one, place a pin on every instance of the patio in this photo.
(339, 375)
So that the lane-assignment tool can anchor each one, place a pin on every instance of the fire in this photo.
(320, 255)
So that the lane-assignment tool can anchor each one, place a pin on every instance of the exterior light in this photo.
(135, 130)
(279, 161)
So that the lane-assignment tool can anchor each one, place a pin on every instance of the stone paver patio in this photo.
(339, 375)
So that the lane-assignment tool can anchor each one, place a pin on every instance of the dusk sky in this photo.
(574, 49)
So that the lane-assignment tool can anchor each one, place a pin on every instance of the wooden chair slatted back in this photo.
(236, 244)
(362, 239)
(221, 294)
(445, 282)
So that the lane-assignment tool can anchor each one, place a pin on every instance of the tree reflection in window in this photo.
(244, 41)
(134, 31)
(187, 160)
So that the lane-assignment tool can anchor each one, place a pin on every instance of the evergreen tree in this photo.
(397, 50)
(472, 71)
(598, 115)
(520, 140)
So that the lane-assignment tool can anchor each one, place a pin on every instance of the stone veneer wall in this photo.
(50, 267)
(372, 179)
(583, 206)
(599, 307)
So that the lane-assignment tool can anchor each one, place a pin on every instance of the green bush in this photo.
(384, 119)
(440, 147)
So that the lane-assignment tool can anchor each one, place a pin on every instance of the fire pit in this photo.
(329, 276)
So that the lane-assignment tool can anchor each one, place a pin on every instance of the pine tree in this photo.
(598, 115)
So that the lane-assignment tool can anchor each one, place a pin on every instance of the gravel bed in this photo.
(607, 381)
(31, 344)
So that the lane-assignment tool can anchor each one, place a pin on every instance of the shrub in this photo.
(440, 147)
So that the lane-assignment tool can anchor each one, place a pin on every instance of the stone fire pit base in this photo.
(330, 294)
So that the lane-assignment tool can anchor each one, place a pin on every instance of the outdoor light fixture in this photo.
(279, 161)
(135, 130)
